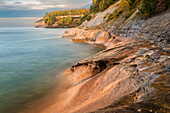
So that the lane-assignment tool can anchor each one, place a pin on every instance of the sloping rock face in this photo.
(154, 29)
(104, 78)
(99, 18)
(131, 75)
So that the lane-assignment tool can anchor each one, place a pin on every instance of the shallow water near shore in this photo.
(30, 61)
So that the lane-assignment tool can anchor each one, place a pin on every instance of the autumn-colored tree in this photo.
(54, 16)
(67, 20)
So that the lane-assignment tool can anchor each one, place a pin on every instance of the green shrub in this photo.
(101, 5)
(131, 2)
(129, 13)
(105, 16)
(89, 17)
(86, 17)
(110, 17)
(118, 13)
(148, 7)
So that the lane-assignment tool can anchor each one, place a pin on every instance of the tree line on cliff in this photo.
(126, 8)
(146, 8)
(65, 17)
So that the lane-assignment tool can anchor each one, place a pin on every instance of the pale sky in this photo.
(42, 4)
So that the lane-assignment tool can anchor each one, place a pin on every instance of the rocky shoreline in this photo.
(130, 75)
(155, 29)
(136, 58)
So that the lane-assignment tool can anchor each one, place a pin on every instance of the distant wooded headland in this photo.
(62, 19)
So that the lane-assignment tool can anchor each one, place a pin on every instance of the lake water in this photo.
(30, 61)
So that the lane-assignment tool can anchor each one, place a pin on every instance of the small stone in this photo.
(168, 68)
(139, 110)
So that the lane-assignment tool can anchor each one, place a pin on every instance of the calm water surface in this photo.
(30, 60)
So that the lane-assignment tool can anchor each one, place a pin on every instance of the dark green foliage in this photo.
(53, 19)
(131, 2)
(148, 7)
(126, 8)
(118, 13)
(105, 16)
(129, 14)
(115, 15)
(151, 7)
(86, 17)
(89, 17)
(46, 20)
(69, 12)
(110, 17)
(101, 5)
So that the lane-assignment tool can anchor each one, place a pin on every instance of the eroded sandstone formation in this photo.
(131, 75)
(106, 77)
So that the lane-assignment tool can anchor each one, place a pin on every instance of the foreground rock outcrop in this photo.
(104, 78)
(83, 35)
(131, 75)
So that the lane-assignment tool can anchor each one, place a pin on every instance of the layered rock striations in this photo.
(131, 69)
(106, 77)
(83, 35)
(153, 29)
(131, 75)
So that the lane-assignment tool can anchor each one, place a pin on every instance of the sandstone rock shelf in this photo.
(131, 75)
